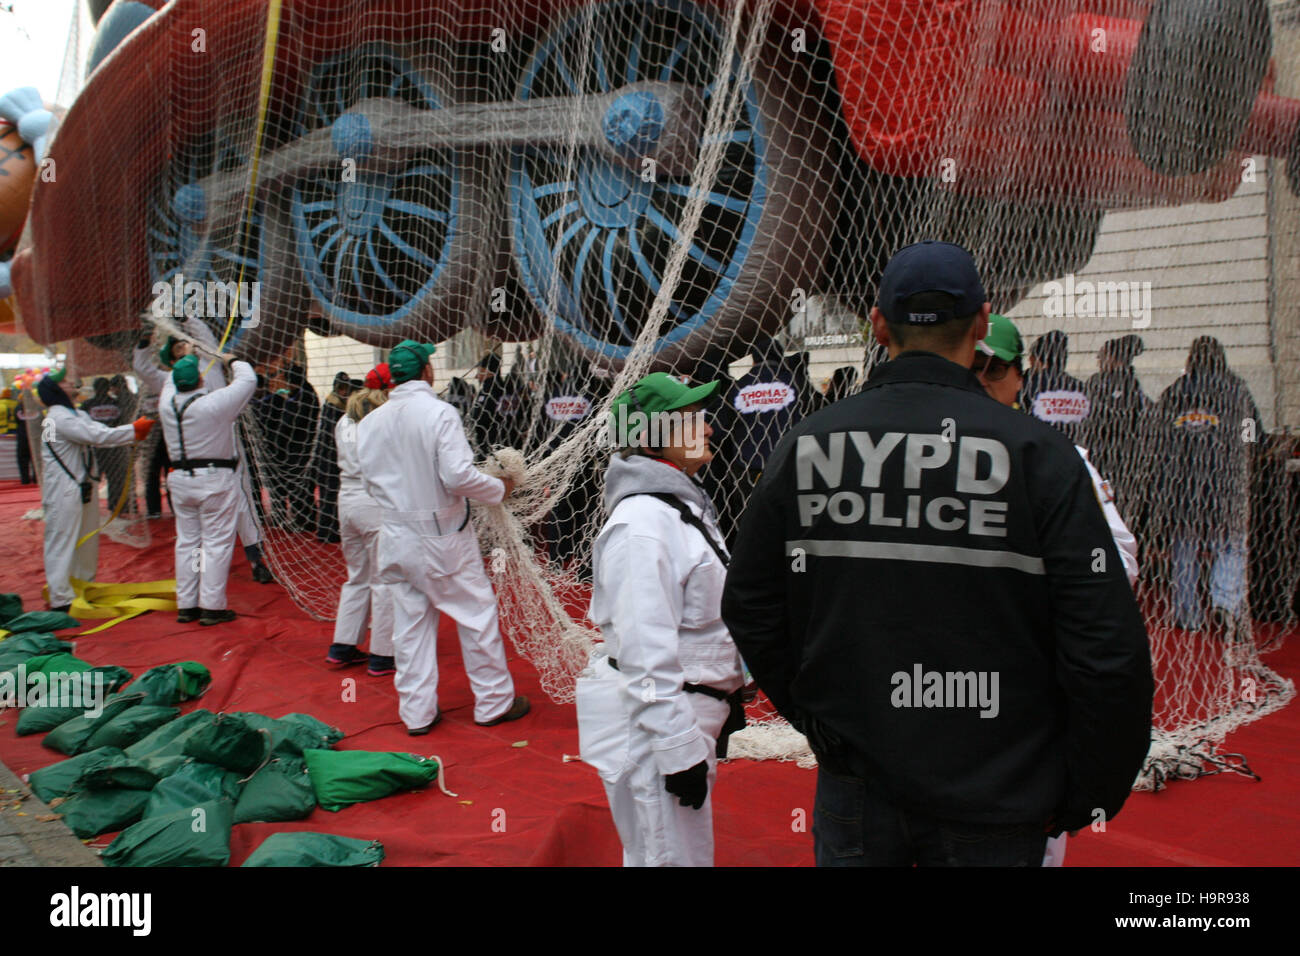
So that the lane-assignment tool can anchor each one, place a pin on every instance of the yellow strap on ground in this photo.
(263, 106)
(120, 602)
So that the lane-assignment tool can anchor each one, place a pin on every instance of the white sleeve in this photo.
(150, 372)
(206, 351)
(84, 430)
(647, 614)
(1124, 540)
(456, 464)
(230, 401)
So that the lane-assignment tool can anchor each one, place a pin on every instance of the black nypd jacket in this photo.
(924, 583)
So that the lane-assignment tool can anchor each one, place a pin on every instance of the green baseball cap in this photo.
(185, 373)
(407, 359)
(657, 392)
(58, 374)
(1003, 340)
(165, 353)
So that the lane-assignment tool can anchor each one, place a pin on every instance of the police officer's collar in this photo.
(924, 367)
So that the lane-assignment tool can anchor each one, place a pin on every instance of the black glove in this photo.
(692, 785)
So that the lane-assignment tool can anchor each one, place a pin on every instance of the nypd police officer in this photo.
(996, 685)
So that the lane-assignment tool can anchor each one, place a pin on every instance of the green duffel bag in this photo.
(197, 836)
(88, 813)
(315, 849)
(72, 702)
(169, 739)
(11, 605)
(20, 648)
(60, 662)
(60, 779)
(169, 684)
(129, 775)
(328, 735)
(40, 621)
(193, 783)
(292, 737)
(231, 743)
(344, 777)
(71, 736)
(132, 725)
(279, 792)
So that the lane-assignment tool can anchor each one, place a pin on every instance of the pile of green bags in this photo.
(173, 786)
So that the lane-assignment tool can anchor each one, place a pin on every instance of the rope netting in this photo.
(565, 196)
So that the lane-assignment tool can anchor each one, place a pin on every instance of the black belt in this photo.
(735, 716)
(704, 689)
(189, 464)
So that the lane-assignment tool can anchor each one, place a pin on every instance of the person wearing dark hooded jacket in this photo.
(1118, 406)
(660, 692)
(1202, 436)
(1051, 394)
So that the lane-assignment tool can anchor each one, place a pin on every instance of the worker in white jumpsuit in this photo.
(214, 374)
(998, 367)
(662, 689)
(69, 492)
(362, 599)
(198, 426)
(417, 465)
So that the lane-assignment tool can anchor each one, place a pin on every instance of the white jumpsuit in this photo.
(362, 597)
(417, 465)
(69, 434)
(206, 501)
(214, 377)
(657, 599)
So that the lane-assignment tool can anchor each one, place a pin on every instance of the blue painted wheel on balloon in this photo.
(592, 235)
(185, 247)
(387, 254)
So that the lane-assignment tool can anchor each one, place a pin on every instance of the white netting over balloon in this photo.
(567, 195)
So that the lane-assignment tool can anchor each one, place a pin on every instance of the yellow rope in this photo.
(121, 499)
(121, 601)
(263, 104)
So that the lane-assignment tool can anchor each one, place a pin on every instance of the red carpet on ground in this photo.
(518, 801)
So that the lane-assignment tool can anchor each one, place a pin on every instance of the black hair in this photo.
(930, 338)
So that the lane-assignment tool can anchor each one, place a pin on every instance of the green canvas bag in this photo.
(131, 725)
(279, 792)
(344, 777)
(194, 783)
(315, 849)
(60, 779)
(197, 836)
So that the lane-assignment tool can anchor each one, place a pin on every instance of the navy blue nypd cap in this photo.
(930, 266)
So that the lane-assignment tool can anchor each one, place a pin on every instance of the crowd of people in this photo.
(862, 554)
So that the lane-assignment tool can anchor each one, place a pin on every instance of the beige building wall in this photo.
(1284, 229)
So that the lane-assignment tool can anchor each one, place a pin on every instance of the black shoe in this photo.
(344, 655)
(154, 514)
(421, 731)
(208, 618)
(64, 608)
(262, 574)
(381, 666)
(517, 710)
(187, 615)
